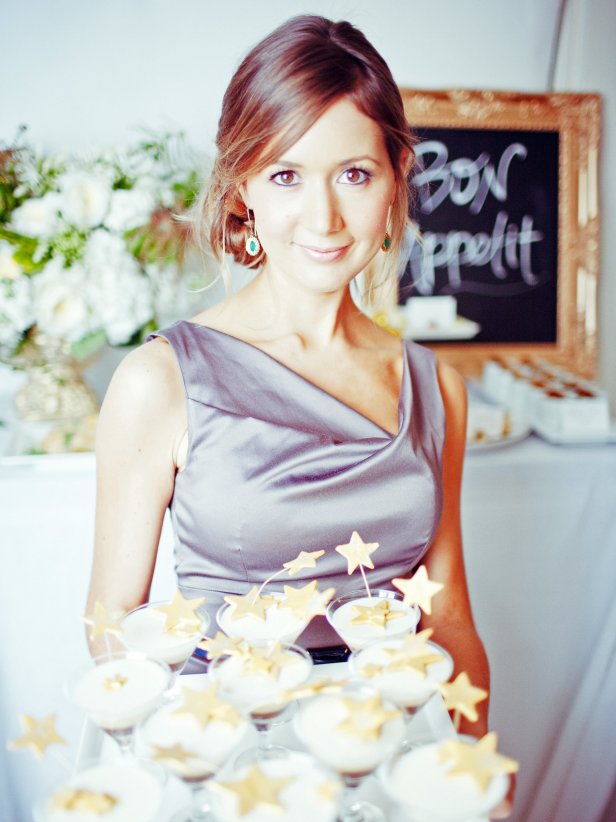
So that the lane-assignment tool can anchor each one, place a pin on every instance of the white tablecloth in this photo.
(540, 537)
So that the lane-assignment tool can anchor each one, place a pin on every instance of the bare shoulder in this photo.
(148, 373)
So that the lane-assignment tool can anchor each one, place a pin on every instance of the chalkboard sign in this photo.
(505, 194)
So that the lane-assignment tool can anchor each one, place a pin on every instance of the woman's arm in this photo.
(451, 617)
(141, 423)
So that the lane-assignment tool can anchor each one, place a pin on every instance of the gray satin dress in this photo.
(276, 465)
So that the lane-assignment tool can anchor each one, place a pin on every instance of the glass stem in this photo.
(350, 808)
(264, 729)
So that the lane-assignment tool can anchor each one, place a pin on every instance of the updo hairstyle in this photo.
(279, 91)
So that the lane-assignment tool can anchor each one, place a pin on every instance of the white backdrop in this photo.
(87, 73)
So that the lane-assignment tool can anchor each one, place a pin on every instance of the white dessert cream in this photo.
(191, 750)
(119, 693)
(389, 669)
(293, 789)
(114, 792)
(419, 781)
(260, 688)
(350, 734)
(144, 629)
(281, 624)
(366, 619)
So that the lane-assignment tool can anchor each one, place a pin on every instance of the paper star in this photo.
(305, 559)
(256, 789)
(221, 644)
(357, 552)
(479, 760)
(419, 589)
(206, 705)
(103, 621)
(377, 615)
(172, 753)
(114, 683)
(328, 790)
(366, 717)
(327, 685)
(181, 615)
(298, 599)
(461, 696)
(267, 660)
(250, 604)
(39, 734)
(81, 799)
(414, 652)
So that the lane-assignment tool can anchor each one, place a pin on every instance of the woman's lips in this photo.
(325, 255)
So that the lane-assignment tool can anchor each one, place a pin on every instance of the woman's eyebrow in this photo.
(346, 162)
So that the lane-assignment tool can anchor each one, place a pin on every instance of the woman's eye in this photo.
(285, 178)
(354, 176)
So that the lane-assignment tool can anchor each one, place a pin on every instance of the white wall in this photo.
(84, 73)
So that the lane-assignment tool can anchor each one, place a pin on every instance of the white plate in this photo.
(517, 433)
(461, 329)
(558, 438)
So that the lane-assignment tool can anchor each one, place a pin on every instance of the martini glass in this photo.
(193, 748)
(259, 683)
(144, 630)
(281, 624)
(352, 732)
(360, 619)
(116, 691)
(131, 790)
(386, 665)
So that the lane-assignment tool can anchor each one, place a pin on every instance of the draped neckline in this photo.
(259, 352)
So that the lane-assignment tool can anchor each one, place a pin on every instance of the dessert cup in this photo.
(418, 782)
(352, 732)
(281, 624)
(359, 619)
(407, 687)
(143, 630)
(117, 791)
(193, 747)
(117, 691)
(259, 683)
(293, 789)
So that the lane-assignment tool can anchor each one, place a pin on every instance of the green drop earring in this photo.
(386, 244)
(253, 246)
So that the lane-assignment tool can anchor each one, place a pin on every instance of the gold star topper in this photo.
(414, 652)
(172, 753)
(329, 790)
(305, 559)
(327, 685)
(357, 552)
(378, 615)
(366, 717)
(206, 706)
(221, 645)
(257, 790)
(181, 615)
(462, 697)
(81, 799)
(267, 660)
(478, 760)
(307, 601)
(103, 621)
(114, 683)
(39, 734)
(250, 604)
(419, 589)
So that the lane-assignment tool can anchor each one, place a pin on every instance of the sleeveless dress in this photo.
(276, 465)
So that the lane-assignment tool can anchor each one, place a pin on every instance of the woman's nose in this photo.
(321, 212)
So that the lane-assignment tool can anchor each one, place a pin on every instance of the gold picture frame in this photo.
(577, 120)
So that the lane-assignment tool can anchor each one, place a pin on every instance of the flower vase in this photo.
(55, 389)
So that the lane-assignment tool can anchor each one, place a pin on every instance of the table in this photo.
(540, 537)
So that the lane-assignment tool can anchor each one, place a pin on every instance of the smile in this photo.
(325, 255)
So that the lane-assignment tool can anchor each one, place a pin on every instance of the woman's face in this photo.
(321, 210)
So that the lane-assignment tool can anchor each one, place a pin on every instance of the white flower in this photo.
(85, 198)
(9, 268)
(60, 302)
(129, 209)
(117, 289)
(37, 217)
(15, 310)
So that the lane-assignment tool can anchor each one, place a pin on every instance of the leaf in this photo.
(88, 345)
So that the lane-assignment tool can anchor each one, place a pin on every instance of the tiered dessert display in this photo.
(353, 725)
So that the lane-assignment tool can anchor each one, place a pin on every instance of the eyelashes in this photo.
(353, 176)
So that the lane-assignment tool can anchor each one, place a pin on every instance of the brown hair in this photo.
(279, 91)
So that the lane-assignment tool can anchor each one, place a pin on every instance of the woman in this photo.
(283, 418)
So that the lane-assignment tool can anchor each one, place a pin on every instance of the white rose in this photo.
(129, 209)
(37, 217)
(60, 302)
(85, 198)
(16, 314)
(9, 268)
